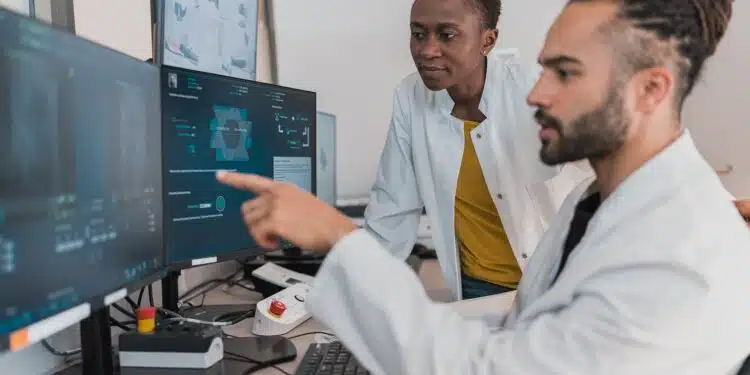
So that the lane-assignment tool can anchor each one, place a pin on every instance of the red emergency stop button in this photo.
(277, 308)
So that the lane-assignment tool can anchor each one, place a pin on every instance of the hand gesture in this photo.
(282, 210)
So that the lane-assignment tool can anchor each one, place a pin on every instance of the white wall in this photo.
(21, 6)
(354, 53)
(122, 25)
(718, 112)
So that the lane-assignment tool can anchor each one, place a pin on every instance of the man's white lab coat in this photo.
(658, 285)
(422, 156)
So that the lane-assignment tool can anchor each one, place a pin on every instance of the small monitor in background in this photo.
(211, 123)
(213, 36)
(326, 151)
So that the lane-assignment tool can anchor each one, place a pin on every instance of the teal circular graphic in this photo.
(221, 203)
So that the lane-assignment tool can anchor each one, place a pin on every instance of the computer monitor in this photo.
(80, 178)
(326, 152)
(211, 123)
(211, 36)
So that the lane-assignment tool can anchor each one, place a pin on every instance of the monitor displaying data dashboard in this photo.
(80, 176)
(213, 123)
(211, 36)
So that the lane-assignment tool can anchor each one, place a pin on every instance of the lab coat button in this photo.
(479, 135)
(499, 196)
(524, 255)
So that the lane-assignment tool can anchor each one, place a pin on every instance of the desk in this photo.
(430, 276)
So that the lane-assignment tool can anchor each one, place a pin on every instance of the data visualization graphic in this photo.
(295, 129)
(230, 134)
(7, 256)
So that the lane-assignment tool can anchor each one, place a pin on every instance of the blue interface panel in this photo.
(80, 176)
(213, 123)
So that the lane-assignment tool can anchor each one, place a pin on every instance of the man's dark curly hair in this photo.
(649, 33)
(490, 11)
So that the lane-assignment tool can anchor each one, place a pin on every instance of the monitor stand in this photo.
(211, 313)
(97, 357)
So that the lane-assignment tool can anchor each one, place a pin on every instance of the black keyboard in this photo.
(329, 359)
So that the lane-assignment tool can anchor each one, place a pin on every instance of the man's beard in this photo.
(593, 135)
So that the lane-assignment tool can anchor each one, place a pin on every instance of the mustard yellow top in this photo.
(484, 249)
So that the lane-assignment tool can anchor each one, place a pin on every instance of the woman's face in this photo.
(448, 41)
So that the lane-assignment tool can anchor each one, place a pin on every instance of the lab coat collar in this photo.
(446, 103)
(658, 178)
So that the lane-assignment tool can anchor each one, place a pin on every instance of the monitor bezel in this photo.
(237, 254)
(96, 302)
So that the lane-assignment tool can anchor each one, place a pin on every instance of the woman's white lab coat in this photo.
(657, 286)
(420, 163)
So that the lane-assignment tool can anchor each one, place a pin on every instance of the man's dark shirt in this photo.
(584, 212)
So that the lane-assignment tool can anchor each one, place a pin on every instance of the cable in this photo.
(243, 286)
(261, 366)
(177, 317)
(150, 294)
(59, 353)
(209, 282)
(123, 311)
(121, 325)
(133, 306)
(236, 316)
(187, 296)
(140, 296)
(311, 333)
(258, 365)
(241, 357)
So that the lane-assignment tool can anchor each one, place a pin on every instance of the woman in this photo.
(463, 144)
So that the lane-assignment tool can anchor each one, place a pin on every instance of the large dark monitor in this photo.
(80, 178)
(211, 123)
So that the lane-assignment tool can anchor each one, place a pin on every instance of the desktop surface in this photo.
(80, 181)
(213, 123)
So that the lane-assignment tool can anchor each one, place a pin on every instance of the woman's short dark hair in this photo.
(489, 10)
